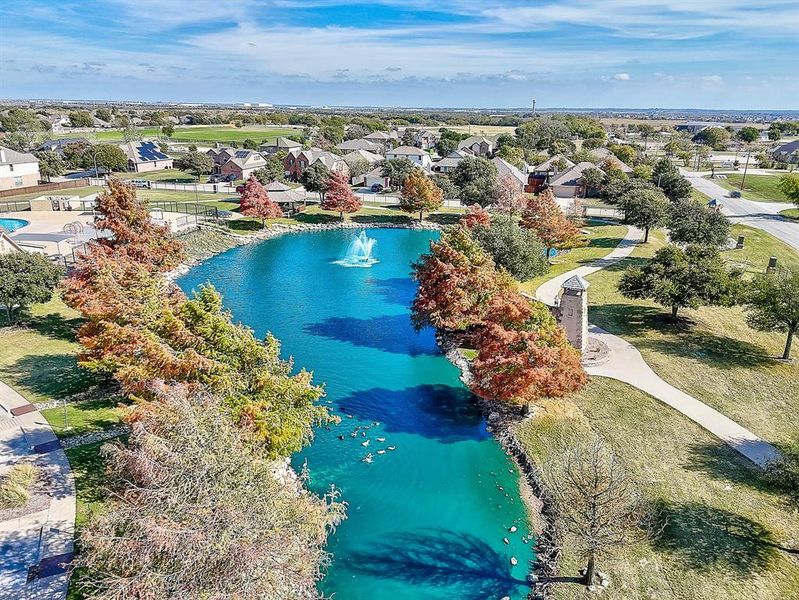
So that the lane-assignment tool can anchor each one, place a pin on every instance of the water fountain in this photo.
(359, 252)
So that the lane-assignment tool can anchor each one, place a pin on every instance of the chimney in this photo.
(2, 155)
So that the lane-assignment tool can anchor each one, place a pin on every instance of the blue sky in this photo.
(471, 53)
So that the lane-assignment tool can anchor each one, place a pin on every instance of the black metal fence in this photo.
(199, 211)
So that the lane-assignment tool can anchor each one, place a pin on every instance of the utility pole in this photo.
(746, 166)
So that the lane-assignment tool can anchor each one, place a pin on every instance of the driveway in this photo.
(763, 215)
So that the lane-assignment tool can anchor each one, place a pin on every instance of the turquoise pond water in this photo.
(11, 225)
(427, 520)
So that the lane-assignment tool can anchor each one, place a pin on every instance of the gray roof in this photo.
(571, 176)
(407, 150)
(12, 157)
(549, 163)
(377, 135)
(787, 148)
(369, 157)
(575, 282)
(276, 186)
(361, 144)
(282, 142)
(506, 168)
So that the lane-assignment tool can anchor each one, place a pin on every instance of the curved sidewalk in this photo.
(626, 364)
(35, 547)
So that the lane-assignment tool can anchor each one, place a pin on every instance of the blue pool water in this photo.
(11, 225)
(426, 521)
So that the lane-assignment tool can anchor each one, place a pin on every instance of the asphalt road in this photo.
(763, 215)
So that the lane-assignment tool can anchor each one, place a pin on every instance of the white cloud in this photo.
(622, 77)
(713, 79)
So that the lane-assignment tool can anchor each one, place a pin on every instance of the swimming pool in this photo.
(11, 225)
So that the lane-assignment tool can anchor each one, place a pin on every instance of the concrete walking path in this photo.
(35, 547)
(626, 364)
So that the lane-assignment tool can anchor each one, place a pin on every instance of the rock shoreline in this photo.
(533, 491)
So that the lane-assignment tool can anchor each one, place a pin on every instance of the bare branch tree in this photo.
(595, 500)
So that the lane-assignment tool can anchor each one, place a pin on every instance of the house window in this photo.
(11, 167)
(17, 181)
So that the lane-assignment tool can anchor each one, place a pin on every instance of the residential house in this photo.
(450, 162)
(786, 153)
(58, 146)
(362, 144)
(375, 177)
(541, 175)
(145, 156)
(221, 155)
(358, 155)
(415, 155)
(296, 161)
(383, 139)
(568, 184)
(694, 127)
(477, 145)
(281, 144)
(506, 168)
(604, 157)
(242, 164)
(426, 139)
(17, 169)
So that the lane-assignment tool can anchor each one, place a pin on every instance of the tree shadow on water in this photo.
(389, 333)
(464, 564)
(439, 412)
(396, 290)
(709, 538)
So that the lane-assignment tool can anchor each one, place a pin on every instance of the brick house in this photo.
(242, 164)
(144, 157)
(296, 161)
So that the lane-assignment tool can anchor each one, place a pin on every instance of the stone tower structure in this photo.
(573, 311)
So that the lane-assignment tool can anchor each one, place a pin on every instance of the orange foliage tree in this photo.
(523, 355)
(339, 197)
(419, 193)
(476, 215)
(544, 217)
(255, 202)
(456, 281)
(134, 234)
(510, 196)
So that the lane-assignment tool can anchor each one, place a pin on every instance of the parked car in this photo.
(140, 183)
(229, 177)
(376, 187)
(215, 178)
(735, 194)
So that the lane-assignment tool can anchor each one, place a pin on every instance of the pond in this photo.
(431, 495)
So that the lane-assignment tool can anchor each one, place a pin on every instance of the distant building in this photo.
(451, 161)
(17, 169)
(506, 168)
(281, 144)
(569, 184)
(296, 161)
(362, 144)
(477, 145)
(358, 155)
(242, 164)
(144, 157)
(541, 175)
(694, 127)
(415, 155)
(787, 153)
(58, 146)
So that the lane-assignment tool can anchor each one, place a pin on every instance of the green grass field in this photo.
(762, 188)
(791, 213)
(603, 237)
(726, 533)
(165, 176)
(219, 133)
(710, 353)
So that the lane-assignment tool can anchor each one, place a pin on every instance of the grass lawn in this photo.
(603, 237)
(165, 176)
(698, 196)
(758, 187)
(83, 417)
(710, 353)
(206, 134)
(791, 213)
(37, 355)
(726, 533)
